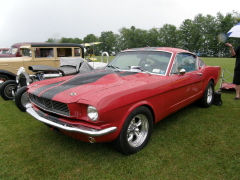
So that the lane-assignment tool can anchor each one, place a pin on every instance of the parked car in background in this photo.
(120, 103)
(37, 54)
(16, 89)
(14, 50)
(3, 51)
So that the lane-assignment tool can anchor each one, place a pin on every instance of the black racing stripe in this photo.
(77, 80)
(49, 91)
(125, 73)
(39, 90)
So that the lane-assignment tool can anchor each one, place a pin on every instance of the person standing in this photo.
(236, 76)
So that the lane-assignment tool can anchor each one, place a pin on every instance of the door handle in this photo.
(200, 74)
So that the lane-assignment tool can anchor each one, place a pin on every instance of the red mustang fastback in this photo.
(121, 102)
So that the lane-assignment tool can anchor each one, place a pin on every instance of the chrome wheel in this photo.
(209, 94)
(137, 130)
(207, 98)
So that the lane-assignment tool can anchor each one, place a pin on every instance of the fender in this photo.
(214, 77)
(23, 79)
(44, 68)
(131, 108)
(8, 73)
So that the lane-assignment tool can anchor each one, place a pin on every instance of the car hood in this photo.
(92, 86)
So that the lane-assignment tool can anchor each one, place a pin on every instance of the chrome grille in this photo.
(49, 105)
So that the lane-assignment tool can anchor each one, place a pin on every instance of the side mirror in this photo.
(182, 72)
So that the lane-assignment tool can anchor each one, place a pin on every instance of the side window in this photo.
(64, 52)
(200, 63)
(44, 52)
(187, 61)
(26, 52)
(77, 52)
(177, 64)
(175, 69)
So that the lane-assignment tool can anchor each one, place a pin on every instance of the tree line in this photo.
(204, 35)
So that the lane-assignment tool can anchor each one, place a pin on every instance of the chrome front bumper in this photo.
(68, 127)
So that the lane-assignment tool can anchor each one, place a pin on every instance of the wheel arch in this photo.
(129, 146)
(209, 80)
(8, 73)
(145, 104)
(152, 112)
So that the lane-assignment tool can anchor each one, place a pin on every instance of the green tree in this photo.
(185, 34)
(168, 36)
(65, 40)
(225, 23)
(53, 40)
(197, 35)
(132, 38)
(92, 38)
(108, 40)
(154, 39)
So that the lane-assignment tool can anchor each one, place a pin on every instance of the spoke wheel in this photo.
(8, 89)
(136, 131)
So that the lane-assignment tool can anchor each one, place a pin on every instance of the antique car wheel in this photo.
(207, 99)
(22, 99)
(8, 89)
(135, 132)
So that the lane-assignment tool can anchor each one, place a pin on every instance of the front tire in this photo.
(207, 99)
(8, 89)
(22, 98)
(135, 132)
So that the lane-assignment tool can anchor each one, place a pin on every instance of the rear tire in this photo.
(7, 89)
(136, 131)
(207, 99)
(22, 98)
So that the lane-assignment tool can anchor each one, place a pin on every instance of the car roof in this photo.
(169, 49)
(21, 43)
(55, 45)
(45, 44)
(4, 48)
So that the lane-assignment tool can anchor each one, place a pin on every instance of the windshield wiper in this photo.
(114, 67)
(139, 68)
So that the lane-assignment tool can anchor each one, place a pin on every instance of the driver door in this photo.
(185, 86)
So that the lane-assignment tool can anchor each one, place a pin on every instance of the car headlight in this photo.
(92, 113)
(20, 70)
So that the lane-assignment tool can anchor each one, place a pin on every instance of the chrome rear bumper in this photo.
(69, 127)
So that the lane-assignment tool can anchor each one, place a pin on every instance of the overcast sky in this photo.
(38, 20)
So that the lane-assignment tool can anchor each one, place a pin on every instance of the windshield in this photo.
(12, 50)
(151, 61)
(3, 51)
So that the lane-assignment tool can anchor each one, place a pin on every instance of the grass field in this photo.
(193, 143)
